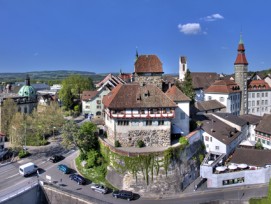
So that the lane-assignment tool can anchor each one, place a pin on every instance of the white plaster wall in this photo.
(210, 145)
(183, 107)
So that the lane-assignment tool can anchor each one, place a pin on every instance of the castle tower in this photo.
(182, 68)
(241, 68)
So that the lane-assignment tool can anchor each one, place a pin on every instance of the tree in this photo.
(72, 87)
(8, 110)
(259, 145)
(187, 86)
(82, 137)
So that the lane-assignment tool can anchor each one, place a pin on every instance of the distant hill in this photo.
(45, 76)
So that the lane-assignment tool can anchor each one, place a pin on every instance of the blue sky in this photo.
(101, 36)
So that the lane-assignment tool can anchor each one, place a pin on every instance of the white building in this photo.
(226, 92)
(259, 97)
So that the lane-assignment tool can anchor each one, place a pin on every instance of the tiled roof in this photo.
(241, 57)
(232, 118)
(114, 80)
(202, 80)
(264, 125)
(252, 157)
(148, 64)
(258, 85)
(251, 119)
(169, 79)
(223, 86)
(136, 96)
(209, 105)
(176, 94)
(88, 95)
(218, 129)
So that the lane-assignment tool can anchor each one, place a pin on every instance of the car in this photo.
(55, 158)
(78, 178)
(128, 195)
(64, 168)
(99, 188)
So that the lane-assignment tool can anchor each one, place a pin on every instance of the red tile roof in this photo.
(258, 85)
(176, 94)
(136, 96)
(223, 86)
(264, 125)
(148, 64)
(88, 95)
(241, 57)
(202, 80)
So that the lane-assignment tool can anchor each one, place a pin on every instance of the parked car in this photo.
(128, 195)
(77, 178)
(64, 168)
(99, 188)
(55, 158)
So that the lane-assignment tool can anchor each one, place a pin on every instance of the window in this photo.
(206, 138)
(98, 101)
(249, 103)
(258, 102)
(253, 95)
(258, 95)
(221, 99)
(263, 141)
(253, 103)
(209, 98)
(258, 109)
(268, 142)
(266, 94)
(160, 122)
(262, 102)
(216, 147)
(142, 111)
(148, 122)
(99, 107)
(249, 95)
(266, 102)
(252, 110)
(87, 107)
(262, 94)
(211, 139)
(123, 122)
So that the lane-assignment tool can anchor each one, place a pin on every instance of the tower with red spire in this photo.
(241, 68)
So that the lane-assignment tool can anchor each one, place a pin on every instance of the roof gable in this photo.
(136, 96)
(176, 94)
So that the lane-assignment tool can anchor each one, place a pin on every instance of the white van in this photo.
(27, 169)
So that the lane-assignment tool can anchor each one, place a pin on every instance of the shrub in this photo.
(93, 159)
(83, 156)
(23, 154)
(140, 143)
(201, 157)
(183, 141)
(117, 143)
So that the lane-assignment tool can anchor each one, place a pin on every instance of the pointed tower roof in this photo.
(241, 56)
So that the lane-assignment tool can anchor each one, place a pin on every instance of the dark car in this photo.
(128, 195)
(64, 168)
(77, 178)
(99, 188)
(55, 158)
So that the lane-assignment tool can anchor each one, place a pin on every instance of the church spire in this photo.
(241, 56)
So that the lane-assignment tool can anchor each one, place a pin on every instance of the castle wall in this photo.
(156, 80)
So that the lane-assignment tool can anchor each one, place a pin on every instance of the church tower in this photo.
(182, 68)
(241, 68)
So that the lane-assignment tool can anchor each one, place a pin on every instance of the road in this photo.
(11, 181)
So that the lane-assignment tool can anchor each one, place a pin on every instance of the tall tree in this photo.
(187, 86)
(82, 137)
(72, 87)
(8, 110)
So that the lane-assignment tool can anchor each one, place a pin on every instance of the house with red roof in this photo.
(227, 92)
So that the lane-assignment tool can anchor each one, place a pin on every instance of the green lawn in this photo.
(266, 200)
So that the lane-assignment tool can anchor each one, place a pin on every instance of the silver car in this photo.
(99, 188)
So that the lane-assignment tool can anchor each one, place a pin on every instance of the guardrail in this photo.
(30, 184)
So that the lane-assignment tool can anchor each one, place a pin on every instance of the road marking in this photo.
(12, 176)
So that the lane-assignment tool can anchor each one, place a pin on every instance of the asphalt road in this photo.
(11, 181)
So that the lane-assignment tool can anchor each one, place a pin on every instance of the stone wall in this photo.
(182, 170)
(156, 80)
(151, 138)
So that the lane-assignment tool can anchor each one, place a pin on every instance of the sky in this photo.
(102, 36)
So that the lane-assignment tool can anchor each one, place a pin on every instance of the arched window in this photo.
(98, 113)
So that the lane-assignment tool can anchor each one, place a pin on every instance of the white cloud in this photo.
(190, 28)
(213, 17)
